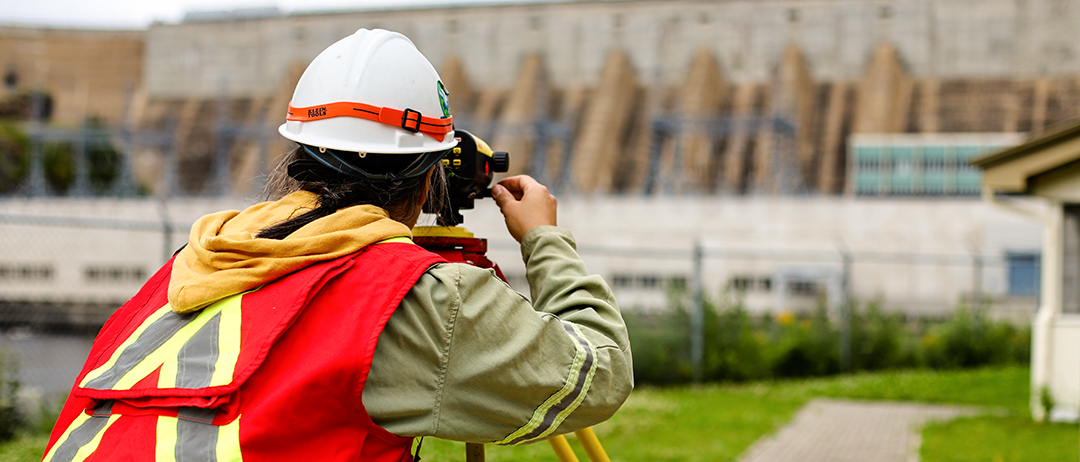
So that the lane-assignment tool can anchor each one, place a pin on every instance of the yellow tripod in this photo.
(474, 452)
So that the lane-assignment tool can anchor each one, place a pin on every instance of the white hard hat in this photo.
(371, 92)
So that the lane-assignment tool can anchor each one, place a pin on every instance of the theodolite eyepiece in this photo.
(470, 167)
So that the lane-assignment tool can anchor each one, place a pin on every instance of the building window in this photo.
(25, 273)
(802, 288)
(649, 282)
(114, 274)
(920, 165)
(742, 283)
(1023, 273)
(750, 284)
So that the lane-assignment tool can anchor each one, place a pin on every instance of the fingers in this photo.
(517, 185)
(525, 203)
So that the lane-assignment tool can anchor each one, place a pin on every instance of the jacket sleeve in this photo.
(466, 358)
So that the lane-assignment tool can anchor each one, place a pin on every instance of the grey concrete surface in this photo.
(828, 430)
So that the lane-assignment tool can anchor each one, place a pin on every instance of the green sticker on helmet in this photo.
(444, 100)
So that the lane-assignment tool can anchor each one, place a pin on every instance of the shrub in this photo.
(14, 160)
(739, 347)
(11, 418)
(660, 355)
(968, 339)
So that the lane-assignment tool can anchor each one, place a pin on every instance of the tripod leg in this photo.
(592, 445)
(474, 452)
(562, 449)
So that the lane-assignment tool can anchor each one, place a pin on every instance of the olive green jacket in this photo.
(467, 358)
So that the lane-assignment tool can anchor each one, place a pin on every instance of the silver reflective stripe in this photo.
(562, 405)
(151, 339)
(197, 359)
(82, 436)
(196, 437)
(105, 409)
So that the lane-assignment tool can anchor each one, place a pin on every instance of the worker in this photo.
(310, 327)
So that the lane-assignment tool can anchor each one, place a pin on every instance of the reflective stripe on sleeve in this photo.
(560, 405)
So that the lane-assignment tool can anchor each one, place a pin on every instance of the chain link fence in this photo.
(67, 264)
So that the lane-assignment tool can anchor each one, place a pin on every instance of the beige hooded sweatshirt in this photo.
(224, 258)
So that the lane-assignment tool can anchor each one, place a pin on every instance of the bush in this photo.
(660, 356)
(740, 347)
(102, 161)
(11, 418)
(14, 160)
(969, 339)
(807, 348)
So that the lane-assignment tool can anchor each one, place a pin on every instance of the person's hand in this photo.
(525, 203)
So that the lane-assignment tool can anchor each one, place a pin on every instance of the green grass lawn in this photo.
(714, 423)
(1011, 438)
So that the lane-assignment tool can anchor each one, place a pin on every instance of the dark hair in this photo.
(336, 191)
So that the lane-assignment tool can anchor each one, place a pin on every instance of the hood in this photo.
(223, 257)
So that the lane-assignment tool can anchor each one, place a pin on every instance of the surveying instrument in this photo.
(470, 167)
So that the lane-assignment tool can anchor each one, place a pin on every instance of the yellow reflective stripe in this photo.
(228, 343)
(168, 351)
(89, 447)
(583, 391)
(131, 339)
(167, 377)
(568, 387)
(228, 446)
(165, 446)
(81, 419)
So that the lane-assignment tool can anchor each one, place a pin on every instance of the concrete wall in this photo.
(942, 39)
(87, 73)
(913, 255)
(602, 72)
(827, 68)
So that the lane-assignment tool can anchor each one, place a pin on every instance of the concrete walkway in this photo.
(828, 430)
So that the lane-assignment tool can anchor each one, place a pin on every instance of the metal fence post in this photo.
(166, 229)
(697, 317)
(846, 305)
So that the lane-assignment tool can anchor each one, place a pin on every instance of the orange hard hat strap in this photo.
(409, 120)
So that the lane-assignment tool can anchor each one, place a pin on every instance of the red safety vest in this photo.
(276, 373)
